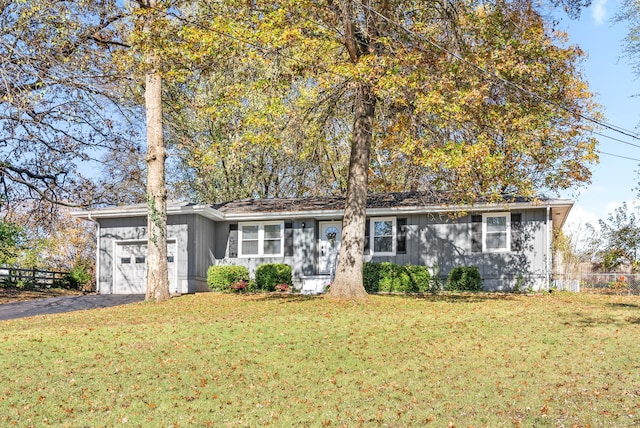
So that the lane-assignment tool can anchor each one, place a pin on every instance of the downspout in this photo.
(549, 257)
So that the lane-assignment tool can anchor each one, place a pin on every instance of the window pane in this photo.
(250, 232)
(496, 224)
(272, 247)
(383, 228)
(383, 245)
(249, 247)
(496, 241)
(272, 231)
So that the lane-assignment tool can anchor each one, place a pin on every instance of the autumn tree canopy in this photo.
(470, 98)
(58, 108)
(616, 241)
(298, 97)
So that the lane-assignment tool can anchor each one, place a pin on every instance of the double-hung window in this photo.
(272, 242)
(250, 240)
(261, 239)
(496, 232)
(383, 232)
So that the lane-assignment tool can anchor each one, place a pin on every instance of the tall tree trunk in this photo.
(157, 268)
(348, 282)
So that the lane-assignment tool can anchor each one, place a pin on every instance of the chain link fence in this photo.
(562, 283)
(601, 283)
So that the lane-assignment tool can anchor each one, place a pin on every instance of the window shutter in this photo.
(288, 239)
(516, 232)
(367, 226)
(476, 233)
(401, 236)
(233, 241)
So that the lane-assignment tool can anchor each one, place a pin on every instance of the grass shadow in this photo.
(443, 296)
(288, 297)
(448, 297)
(452, 297)
(585, 321)
(623, 305)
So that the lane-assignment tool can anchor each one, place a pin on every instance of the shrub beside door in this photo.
(220, 278)
(268, 276)
(391, 278)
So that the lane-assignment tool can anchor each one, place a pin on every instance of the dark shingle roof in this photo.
(328, 203)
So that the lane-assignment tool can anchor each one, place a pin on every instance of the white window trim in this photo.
(372, 237)
(507, 216)
(261, 226)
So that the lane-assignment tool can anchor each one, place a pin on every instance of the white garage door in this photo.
(131, 268)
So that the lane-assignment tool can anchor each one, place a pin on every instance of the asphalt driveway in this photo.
(57, 305)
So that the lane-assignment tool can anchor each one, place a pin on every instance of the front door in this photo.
(330, 237)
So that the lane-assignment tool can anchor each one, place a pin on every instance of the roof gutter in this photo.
(138, 211)
(216, 215)
(388, 211)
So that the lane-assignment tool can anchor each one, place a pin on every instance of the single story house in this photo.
(510, 241)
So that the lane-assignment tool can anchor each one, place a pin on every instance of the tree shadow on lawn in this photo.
(584, 320)
(289, 297)
(431, 297)
(623, 305)
(588, 319)
(580, 319)
(453, 297)
(626, 306)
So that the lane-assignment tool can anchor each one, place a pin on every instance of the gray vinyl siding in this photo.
(202, 242)
(437, 241)
(302, 261)
(305, 255)
(178, 229)
(111, 231)
(114, 230)
(443, 243)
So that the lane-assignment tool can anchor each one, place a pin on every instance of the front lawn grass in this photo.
(242, 360)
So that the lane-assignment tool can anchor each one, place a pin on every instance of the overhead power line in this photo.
(618, 156)
(616, 139)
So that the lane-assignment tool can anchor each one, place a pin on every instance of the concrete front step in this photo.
(315, 284)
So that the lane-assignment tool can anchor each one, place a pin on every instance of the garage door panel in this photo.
(131, 268)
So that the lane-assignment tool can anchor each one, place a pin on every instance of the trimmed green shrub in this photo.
(437, 281)
(464, 278)
(395, 279)
(389, 277)
(371, 276)
(220, 278)
(271, 274)
(420, 277)
(79, 276)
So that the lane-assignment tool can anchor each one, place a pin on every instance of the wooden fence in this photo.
(29, 277)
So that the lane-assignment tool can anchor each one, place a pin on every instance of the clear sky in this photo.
(611, 78)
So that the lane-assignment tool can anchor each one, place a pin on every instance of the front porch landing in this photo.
(314, 284)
